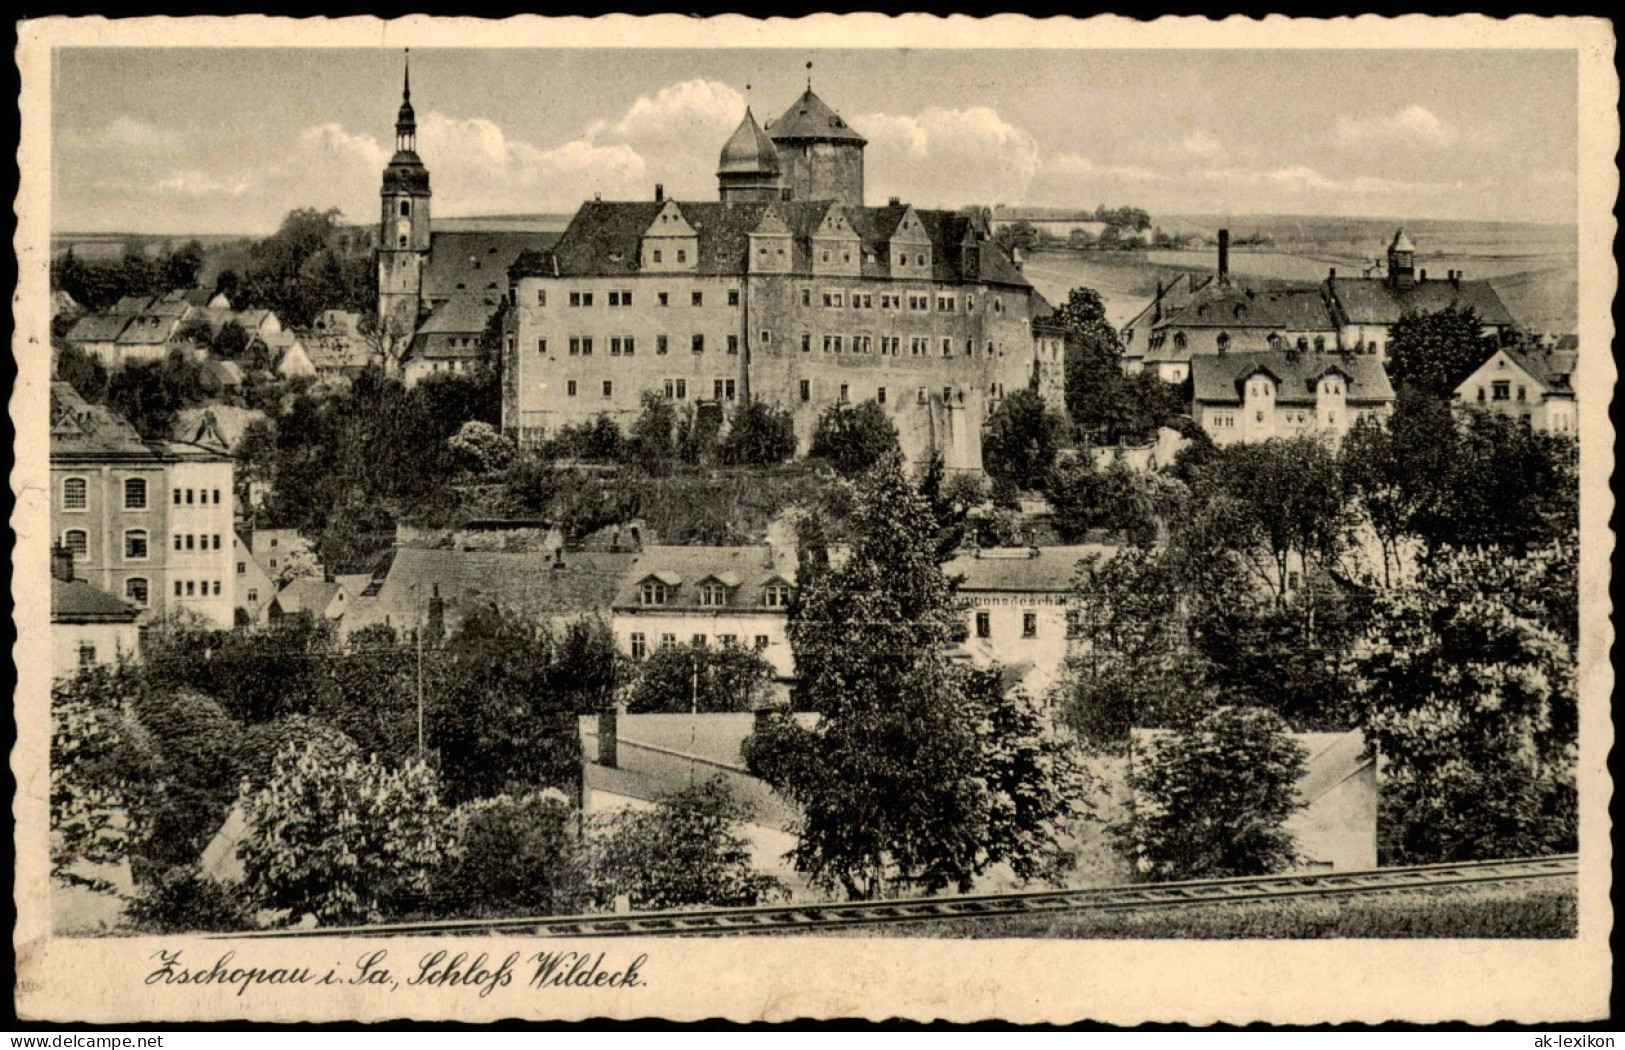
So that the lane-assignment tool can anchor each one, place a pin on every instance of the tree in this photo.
(96, 765)
(82, 371)
(952, 499)
(1211, 800)
(193, 746)
(899, 780)
(684, 853)
(1020, 235)
(759, 435)
(231, 342)
(184, 900)
(1020, 440)
(1470, 697)
(1119, 499)
(513, 856)
(299, 562)
(698, 677)
(481, 448)
(1435, 352)
(181, 267)
(652, 442)
(853, 438)
(342, 839)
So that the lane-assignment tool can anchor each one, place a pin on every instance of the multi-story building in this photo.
(707, 596)
(147, 521)
(1532, 386)
(1266, 394)
(787, 290)
(88, 626)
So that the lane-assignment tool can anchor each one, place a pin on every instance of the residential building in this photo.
(97, 335)
(1286, 393)
(1366, 308)
(287, 355)
(1534, 386)
(788, 290)
(88, 626)
(449, 341)
(707, 596)
(152, 332)
(321, 598)
(146, 521)
(1016, 604)
(254, 587)
(199, 298)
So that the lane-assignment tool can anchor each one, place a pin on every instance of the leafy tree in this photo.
(182, 266)
(853, 438)
(900, 779)
(231, 342)
(698, 431)
(600, 441)
(1435, 352)
(193, 746)
(298, 562)
(1504, 485)
(759, 435)
(1211, 800)
(1021, 235)
(150, 394)
(652, 444)
(684, 853)
(700, 678)
(344, 840)
(96, 763)
(952, 499)
(481, 448)
(1118, 499)
(255, 675)
(513, 856)
(81, 370)
(184, 900)
(1470, 697)
(296, 272)
(1020, 440)
(260, 744)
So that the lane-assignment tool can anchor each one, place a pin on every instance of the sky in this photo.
(192, 140)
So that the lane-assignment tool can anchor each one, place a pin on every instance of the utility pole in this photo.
(422, 626)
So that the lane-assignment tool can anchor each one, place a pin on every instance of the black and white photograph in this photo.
(533, 516)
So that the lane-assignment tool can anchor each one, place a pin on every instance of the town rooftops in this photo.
(79, 428)
(1030, 570)
(308, 594)
(462, 315)
(1219, 378)
(1377, 300)
(604, 237)
(77, 601)
(743, 572)
(1552, 369)
(98, 328)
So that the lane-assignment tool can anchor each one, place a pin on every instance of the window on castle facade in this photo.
(570, 388)
(697, 344)
(733, 297)
(733, 344)
(806, 390)
(661, 344)
(697, 298)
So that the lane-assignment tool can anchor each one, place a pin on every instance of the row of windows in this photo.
(135, 543)
(196, 588)
(640, 642)
(202, 541)
(994, 391)
(203, 496)
(1501, 390)
(653, 592)
(860, 343)
(623, 298)
(76, 494)
(627, 346)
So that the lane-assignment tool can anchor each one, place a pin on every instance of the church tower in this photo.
(403, 230)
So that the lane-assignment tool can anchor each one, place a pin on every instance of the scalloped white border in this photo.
(1122, 982)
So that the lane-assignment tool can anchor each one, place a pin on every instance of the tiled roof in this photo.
(79, 427)
(98, 328)
(603, 239)
(1223, 304)
(131, 304)
(809, 117)
(1299, 309)
(148, 330)
(1552, 369)
(1041, 570)
(225, 373)
(310, 594)
(461, 315)
(76, 601)
(531, 582)
(748, 151)
(1375, 300)
(476, 262)
(1218, 378)
(683, 569)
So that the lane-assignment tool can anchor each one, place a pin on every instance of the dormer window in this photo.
(713, 595)
(776, 595)
(653, 592)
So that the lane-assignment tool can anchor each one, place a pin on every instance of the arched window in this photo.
(1180, 341)
(135, 591)
(1320, 342)
(1224, 341)
(77, 541)
(135, 545)
(406, 207)
(1303, 342)
(75, 494)
(135, 493)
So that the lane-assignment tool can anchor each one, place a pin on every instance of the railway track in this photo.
(803, 917)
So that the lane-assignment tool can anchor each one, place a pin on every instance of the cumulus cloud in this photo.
(201, 184)
(1414, 124)
(947, 157)
(123, 133)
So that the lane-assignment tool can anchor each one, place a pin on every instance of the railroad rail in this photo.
(797, 918)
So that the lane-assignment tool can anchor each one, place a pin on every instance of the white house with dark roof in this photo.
(708, 596)
(1286, 393)
(1533, 386)
(89, 627)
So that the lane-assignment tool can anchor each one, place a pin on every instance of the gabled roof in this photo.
(1221, 303)
(684, 569)
(1551, 369)
(461, 315)
(1035, 570)
(131, 304)
(310, 594)
(148, 330)
(1375, 300)
(1299, 309)
(79, 427)
(77, 601)
(809, 118)
(476, 262)
(1218, 378)
(98, 328)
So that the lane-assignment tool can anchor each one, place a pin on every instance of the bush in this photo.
(481, 448)
(760, 435)
(683, 853)
(184, 900)
(513, 856)
(699, 677)
(854, 438)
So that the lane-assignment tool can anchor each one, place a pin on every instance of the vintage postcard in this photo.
(847, 517)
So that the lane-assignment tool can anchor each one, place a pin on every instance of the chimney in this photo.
(608, 737)
(1224, 254)
(436, 628)
(1424, 275)
(1331, 274)
(597, 196)
(1015, 256)
(660, 192)
(558, 557)
(61, 563)
(894, 201)
(637, 536)
(1159, 288)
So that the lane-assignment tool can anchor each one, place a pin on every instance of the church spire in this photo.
(406, 122)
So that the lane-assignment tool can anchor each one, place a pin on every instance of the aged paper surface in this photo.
(775, 978)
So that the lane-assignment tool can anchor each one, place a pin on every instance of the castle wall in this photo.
(816, 171)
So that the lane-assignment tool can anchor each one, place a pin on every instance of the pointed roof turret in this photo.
(406, 121)
(809, 119)
(405, 172)
(1402, 243)
(748, 151)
